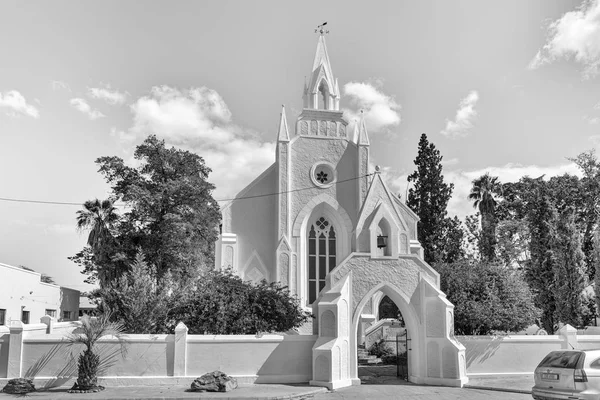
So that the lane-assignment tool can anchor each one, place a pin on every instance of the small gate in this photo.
(402, 358)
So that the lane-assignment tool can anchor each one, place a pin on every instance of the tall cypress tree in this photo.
(540, 270)
(428, 198)
(570, 271)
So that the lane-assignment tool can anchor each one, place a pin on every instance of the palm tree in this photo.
(91, 330)
(482, 193)
(100, 218)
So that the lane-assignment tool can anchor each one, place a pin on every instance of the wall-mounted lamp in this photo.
(381, 241)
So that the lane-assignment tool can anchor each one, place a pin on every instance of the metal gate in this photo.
(402, 359)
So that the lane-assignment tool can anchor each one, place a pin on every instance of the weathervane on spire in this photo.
(321, 30)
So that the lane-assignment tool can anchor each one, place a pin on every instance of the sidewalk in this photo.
(504, 383)
(373, 387)
(254, 392)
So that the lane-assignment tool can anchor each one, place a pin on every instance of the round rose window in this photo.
(323, 174)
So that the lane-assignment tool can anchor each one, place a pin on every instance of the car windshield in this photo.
(561, 359)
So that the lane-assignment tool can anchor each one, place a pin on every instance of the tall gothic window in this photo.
(321, 256)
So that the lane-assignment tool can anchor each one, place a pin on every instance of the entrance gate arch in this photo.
(436, 356)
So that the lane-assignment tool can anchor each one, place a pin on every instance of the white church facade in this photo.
(321, 224)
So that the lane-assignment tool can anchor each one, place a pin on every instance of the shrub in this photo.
(380, 350)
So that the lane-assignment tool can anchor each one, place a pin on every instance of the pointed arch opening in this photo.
(385, 332)
(323, 229)
(323, 96)
(384, 234)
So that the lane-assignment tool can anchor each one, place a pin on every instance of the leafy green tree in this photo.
(513, 242)
(596, 261)
(483, 193)
(570, 274)
(388, 309)
(428, 198)
(540, 270)
(47, 279)
(590, 195)
(170, 214)
(472, 235)
(222, 303)
(138, 300)
(487, 297)
(452, 247)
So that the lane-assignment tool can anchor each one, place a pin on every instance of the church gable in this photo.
(379, 216)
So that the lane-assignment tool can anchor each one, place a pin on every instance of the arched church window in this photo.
(321, 256)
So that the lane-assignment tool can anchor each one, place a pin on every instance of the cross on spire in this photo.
(320, 29)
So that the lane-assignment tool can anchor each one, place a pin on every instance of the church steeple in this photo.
(321, 115)
(322, 92)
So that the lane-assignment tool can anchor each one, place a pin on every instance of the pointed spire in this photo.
(283, 135)
(363, 138)
(321, 56)
(322, 86)
(355, 131)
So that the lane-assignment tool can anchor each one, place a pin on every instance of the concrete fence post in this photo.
(15, 350)
(180, 350)
(569, 335)
(49, 321)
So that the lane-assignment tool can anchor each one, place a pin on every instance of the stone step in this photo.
(369, 361)
(367, 358)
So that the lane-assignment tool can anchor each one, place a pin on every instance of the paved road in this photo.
(380, 382)
(417, 392)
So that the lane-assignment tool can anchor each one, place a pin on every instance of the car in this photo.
(568, 374)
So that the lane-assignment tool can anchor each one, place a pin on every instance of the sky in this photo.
(511, 88)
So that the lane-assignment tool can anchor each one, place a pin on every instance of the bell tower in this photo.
(321, 115)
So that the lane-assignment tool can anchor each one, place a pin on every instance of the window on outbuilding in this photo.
(25, 317)
(51, 313)
(2, 316)
(67, 315)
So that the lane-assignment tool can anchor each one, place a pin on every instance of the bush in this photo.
(380, 350)
(222, 303)
(393, 359)
(487, 298)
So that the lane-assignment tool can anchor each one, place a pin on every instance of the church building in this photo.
(323, 225)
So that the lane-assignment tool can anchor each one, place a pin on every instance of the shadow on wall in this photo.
(70, 353)
(63, 373)
(285, 360)
(481, 350)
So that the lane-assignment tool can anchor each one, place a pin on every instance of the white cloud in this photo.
(597, 106)
(113, 97)
(576, 35)
(16, 104)
(465, 115)
(381, 111)
(82, 105)
(59, 85)
(592, 120)
(452, 161)
(199, 120)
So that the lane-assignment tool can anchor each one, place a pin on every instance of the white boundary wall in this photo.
(519, 354)
(31, 351)
(39, 351)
